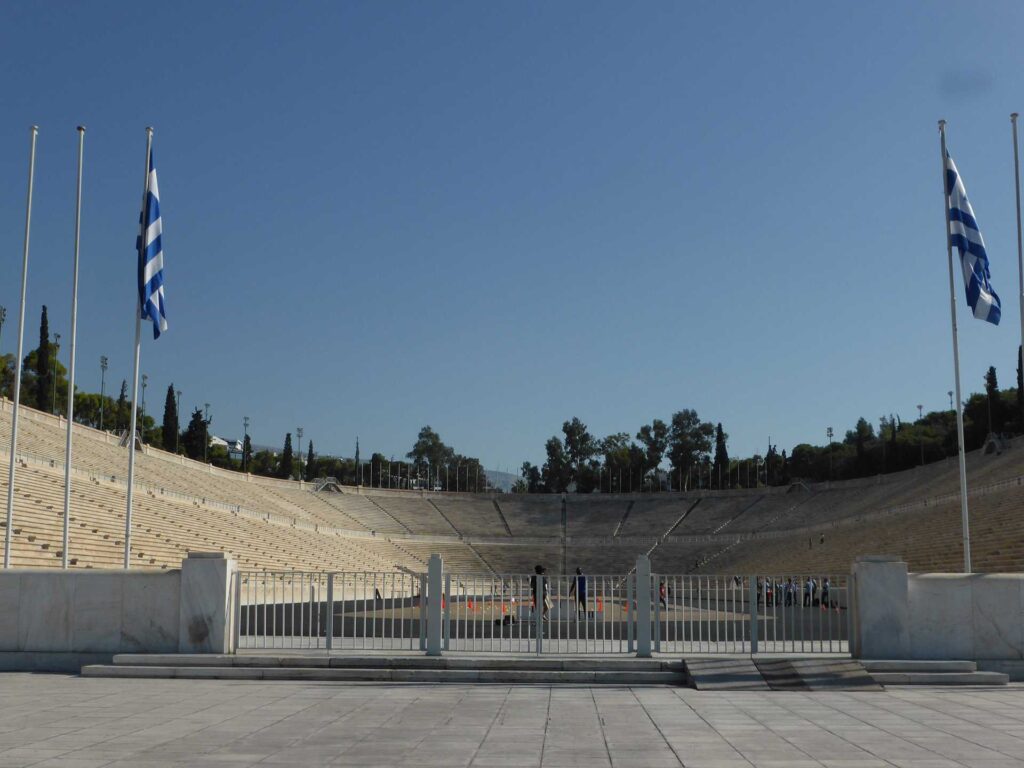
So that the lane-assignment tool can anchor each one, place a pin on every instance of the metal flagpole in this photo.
(135, 367)
(8, 531)
(71, 362)
(1020, 250)
(956, 362)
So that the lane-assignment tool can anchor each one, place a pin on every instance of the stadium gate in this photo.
(639, 612)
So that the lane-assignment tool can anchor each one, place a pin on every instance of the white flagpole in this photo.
(71, 363)
(135, 368)
(1020, 251)
(8, 531)
(956, 363)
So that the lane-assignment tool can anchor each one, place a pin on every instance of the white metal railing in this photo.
(530, 613)
(581, 614)
(759, 614)
(332, 611)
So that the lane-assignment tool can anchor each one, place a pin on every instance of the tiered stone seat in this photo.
(415, 513)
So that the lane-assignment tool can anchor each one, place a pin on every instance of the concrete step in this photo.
(384, 674)
(918, 665)
(449, 662)
(941, 678)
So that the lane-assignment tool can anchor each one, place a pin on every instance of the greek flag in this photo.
(151, 258)
(964, 234)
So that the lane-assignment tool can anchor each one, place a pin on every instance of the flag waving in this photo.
(964, 234)
(151, 258)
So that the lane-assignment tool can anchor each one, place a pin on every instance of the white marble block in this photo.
(940, 611)
(882, 621)
(204, 623)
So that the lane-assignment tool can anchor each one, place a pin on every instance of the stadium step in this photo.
(932, 672)
(399, 668)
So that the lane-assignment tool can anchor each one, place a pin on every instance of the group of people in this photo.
(541, 596)
(775, 592)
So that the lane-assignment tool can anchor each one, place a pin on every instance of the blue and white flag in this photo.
(151, 258)
(964, 234)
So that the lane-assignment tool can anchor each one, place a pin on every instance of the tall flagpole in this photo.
(71, 363)
(956, 362)
(8, 531)
(135, 368)
(1020, 251)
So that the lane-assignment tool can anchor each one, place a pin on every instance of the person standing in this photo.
(539, 587)
(579, 589)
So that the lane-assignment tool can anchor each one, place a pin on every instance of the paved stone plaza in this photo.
(51, 720)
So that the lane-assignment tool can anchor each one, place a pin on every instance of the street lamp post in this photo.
(56, 355)
(103, 385)
(950, 393)
(920, 439)
(177, 408)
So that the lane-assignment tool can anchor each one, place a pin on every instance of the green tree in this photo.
(286, 467)
(1020, 389)
(430, 450)
(654, 439)
(556, 472)
(123, 409)
(531, 479)
(689, 441)
(994, 403)
(246, 453)
(580, 446)
(44, 363)
(264, 463)
(310, 463)
(171, 426)
(721, 466)
(195, 439)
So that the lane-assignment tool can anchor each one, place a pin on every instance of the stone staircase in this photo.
(932, 673)
(396, 668)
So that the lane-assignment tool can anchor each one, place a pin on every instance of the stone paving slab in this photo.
(74, 722)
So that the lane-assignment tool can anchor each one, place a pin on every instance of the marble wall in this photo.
(966, 616)
(117, 611)
(972, 616)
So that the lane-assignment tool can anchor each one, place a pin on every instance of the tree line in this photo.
(687, 452)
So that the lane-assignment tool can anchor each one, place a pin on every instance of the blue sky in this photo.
(491, 217)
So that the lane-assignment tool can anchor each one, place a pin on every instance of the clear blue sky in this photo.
(491, 217)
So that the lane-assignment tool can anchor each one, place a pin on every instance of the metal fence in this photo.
(592, 614)
(751, 614)
(530, 613)
(343, 611)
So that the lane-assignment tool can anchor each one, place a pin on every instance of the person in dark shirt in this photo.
(579, 588)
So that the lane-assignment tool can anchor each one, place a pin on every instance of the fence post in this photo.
(435, 591)
(630, 614)
(237, 633)
(643, 607)
(423, 612)
(538, 611)
(329, 629)
(446, 622)
(753, 614)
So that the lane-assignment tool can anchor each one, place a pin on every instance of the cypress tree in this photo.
(287, 459)
(246, 453)
(44, 370)
(310, 469)
(194, 440)
(721, 466)
(122, 408)
(171, 426)
(1020, 388)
